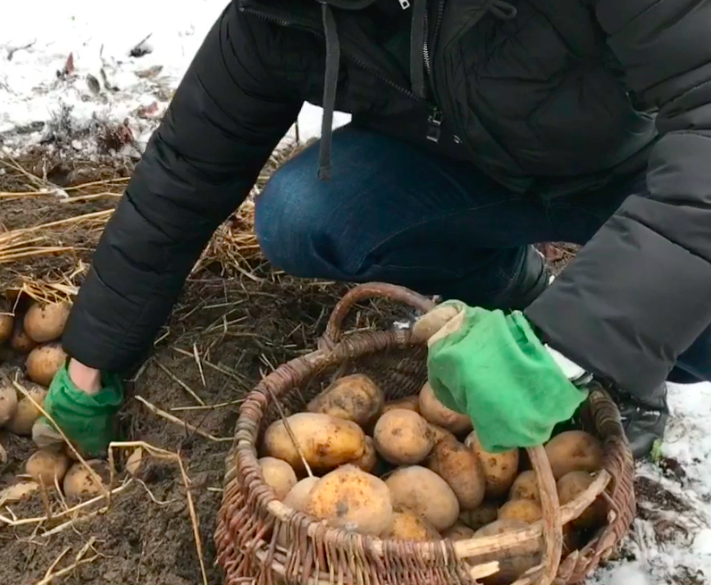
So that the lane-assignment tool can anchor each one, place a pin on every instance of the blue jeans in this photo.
(395, 213)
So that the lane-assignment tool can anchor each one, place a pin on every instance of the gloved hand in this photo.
(492, 366)
(86, 419)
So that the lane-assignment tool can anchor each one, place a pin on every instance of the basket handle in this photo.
(366, 291)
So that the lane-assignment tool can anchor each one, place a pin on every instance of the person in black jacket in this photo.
(479, 128)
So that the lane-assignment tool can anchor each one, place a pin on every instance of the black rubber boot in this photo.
(644, 421)
(533, 279)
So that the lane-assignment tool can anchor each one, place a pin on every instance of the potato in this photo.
(7, 322)
(479, 517)
(459, 531)
(18, 491)
(298, 499)
(45, 321)
(426, 494)
(352, 499)
(133, 462)
(78, 483)
(279, 475)
(570, 486)
(431, 322)
(325, 441)
(46, 466)
(499, 468)
(355, 397)
(409, 526)
(298, 496)
(437, 413)
(515, 561)
(27, 413)
(526, 511)
(402, 437)
(460, 468)
(440, 434)
(8, 403)
(44, 362)
(574, 451)
(408, 403)
(20, 341)
(525, 487)
(369, 459)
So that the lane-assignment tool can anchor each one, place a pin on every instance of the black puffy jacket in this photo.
(546, 96)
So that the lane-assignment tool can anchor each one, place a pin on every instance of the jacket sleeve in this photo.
(226, 117)
(637, 295)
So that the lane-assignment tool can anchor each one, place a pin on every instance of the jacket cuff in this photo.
(629, 304)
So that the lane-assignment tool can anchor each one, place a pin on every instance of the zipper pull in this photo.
(404, 4)
(434, 125)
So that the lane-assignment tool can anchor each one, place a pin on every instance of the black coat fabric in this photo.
(565, 96)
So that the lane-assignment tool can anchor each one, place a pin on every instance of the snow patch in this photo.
(630, 574)
(74, 60)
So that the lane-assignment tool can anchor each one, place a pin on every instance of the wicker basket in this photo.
(250, 516)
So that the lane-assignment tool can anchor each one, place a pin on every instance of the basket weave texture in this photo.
(251, 518)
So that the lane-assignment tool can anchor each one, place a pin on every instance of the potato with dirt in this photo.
(402, 437)
(437, 413)
(355, 397)
(352, 499)
(514, 562)
(369, 460)
(20, 341)
(525, 487)
(408, 403)
(526, 511)
(8, 402)
(459, 531)
(44, 361)
(409, 526)
(80, 484)
(425, 493)
(462, 471)
(7, 323)
(499, 468)
(45, 322)
(26, 412)
(325, 441)
(480, 516)
(574, 451)
(440, 434)
(47, 467)
(570, 486)
(279, 475)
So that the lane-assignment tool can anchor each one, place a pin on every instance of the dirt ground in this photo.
(147, 537)
(236, 320)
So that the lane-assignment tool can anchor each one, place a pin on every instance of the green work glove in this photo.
(492, 366)
(85, 419)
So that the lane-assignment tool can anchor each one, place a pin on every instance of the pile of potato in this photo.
(413, 469)
(33, 337)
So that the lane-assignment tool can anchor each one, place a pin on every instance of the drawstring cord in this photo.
(330, 85)
(499, 8)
